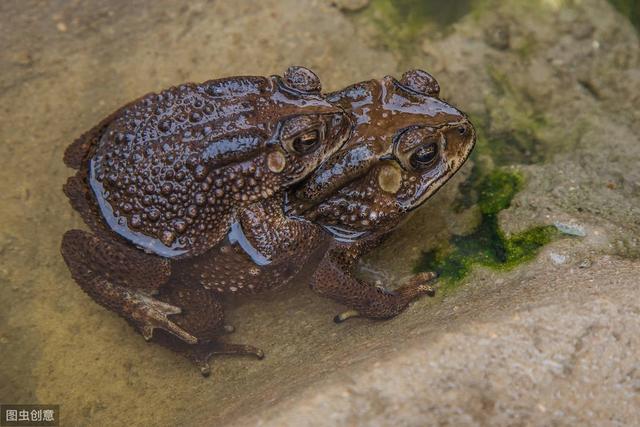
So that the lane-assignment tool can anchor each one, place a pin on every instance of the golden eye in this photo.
(306, 142)
(302, 135)
(424, 156)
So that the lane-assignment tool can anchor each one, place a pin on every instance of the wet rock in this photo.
(539, 361)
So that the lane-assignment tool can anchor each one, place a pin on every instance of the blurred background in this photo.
(537, 319)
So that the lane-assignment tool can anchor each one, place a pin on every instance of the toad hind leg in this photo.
(122, 279)
(334, 279)
(203, 316)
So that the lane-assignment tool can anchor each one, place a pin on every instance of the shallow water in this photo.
(66, 64)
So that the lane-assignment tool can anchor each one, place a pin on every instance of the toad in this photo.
(164, 177)
(407, 143)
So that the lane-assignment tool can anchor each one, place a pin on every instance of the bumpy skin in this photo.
(170, 170)
(345, 208)
(172, 173)
(364, 190)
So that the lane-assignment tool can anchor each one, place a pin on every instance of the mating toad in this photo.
(171, 280)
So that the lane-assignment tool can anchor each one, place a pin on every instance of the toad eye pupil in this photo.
(306, 142)
(424, 156)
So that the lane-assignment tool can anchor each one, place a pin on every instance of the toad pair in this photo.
(231, 186)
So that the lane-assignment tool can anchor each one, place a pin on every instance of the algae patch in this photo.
(487, 245)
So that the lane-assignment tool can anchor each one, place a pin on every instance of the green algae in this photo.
(497, 190)
(487, 244)
(630, 9)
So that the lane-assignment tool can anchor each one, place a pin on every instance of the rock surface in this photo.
(541, 351)
(553, 86)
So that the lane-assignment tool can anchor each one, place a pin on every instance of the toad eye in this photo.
(306, 142)
(302, 134)
(424, 156)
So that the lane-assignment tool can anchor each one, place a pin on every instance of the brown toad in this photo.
(165, 177)
(406, 144)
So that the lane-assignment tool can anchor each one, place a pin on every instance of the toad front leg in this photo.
(334, 279)
(122, 279)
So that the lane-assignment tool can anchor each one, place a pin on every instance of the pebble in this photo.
(557, 258)
(585, 263)
(571, 229)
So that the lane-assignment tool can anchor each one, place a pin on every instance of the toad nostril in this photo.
(462, 130)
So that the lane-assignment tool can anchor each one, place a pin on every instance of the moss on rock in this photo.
(487, 245)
